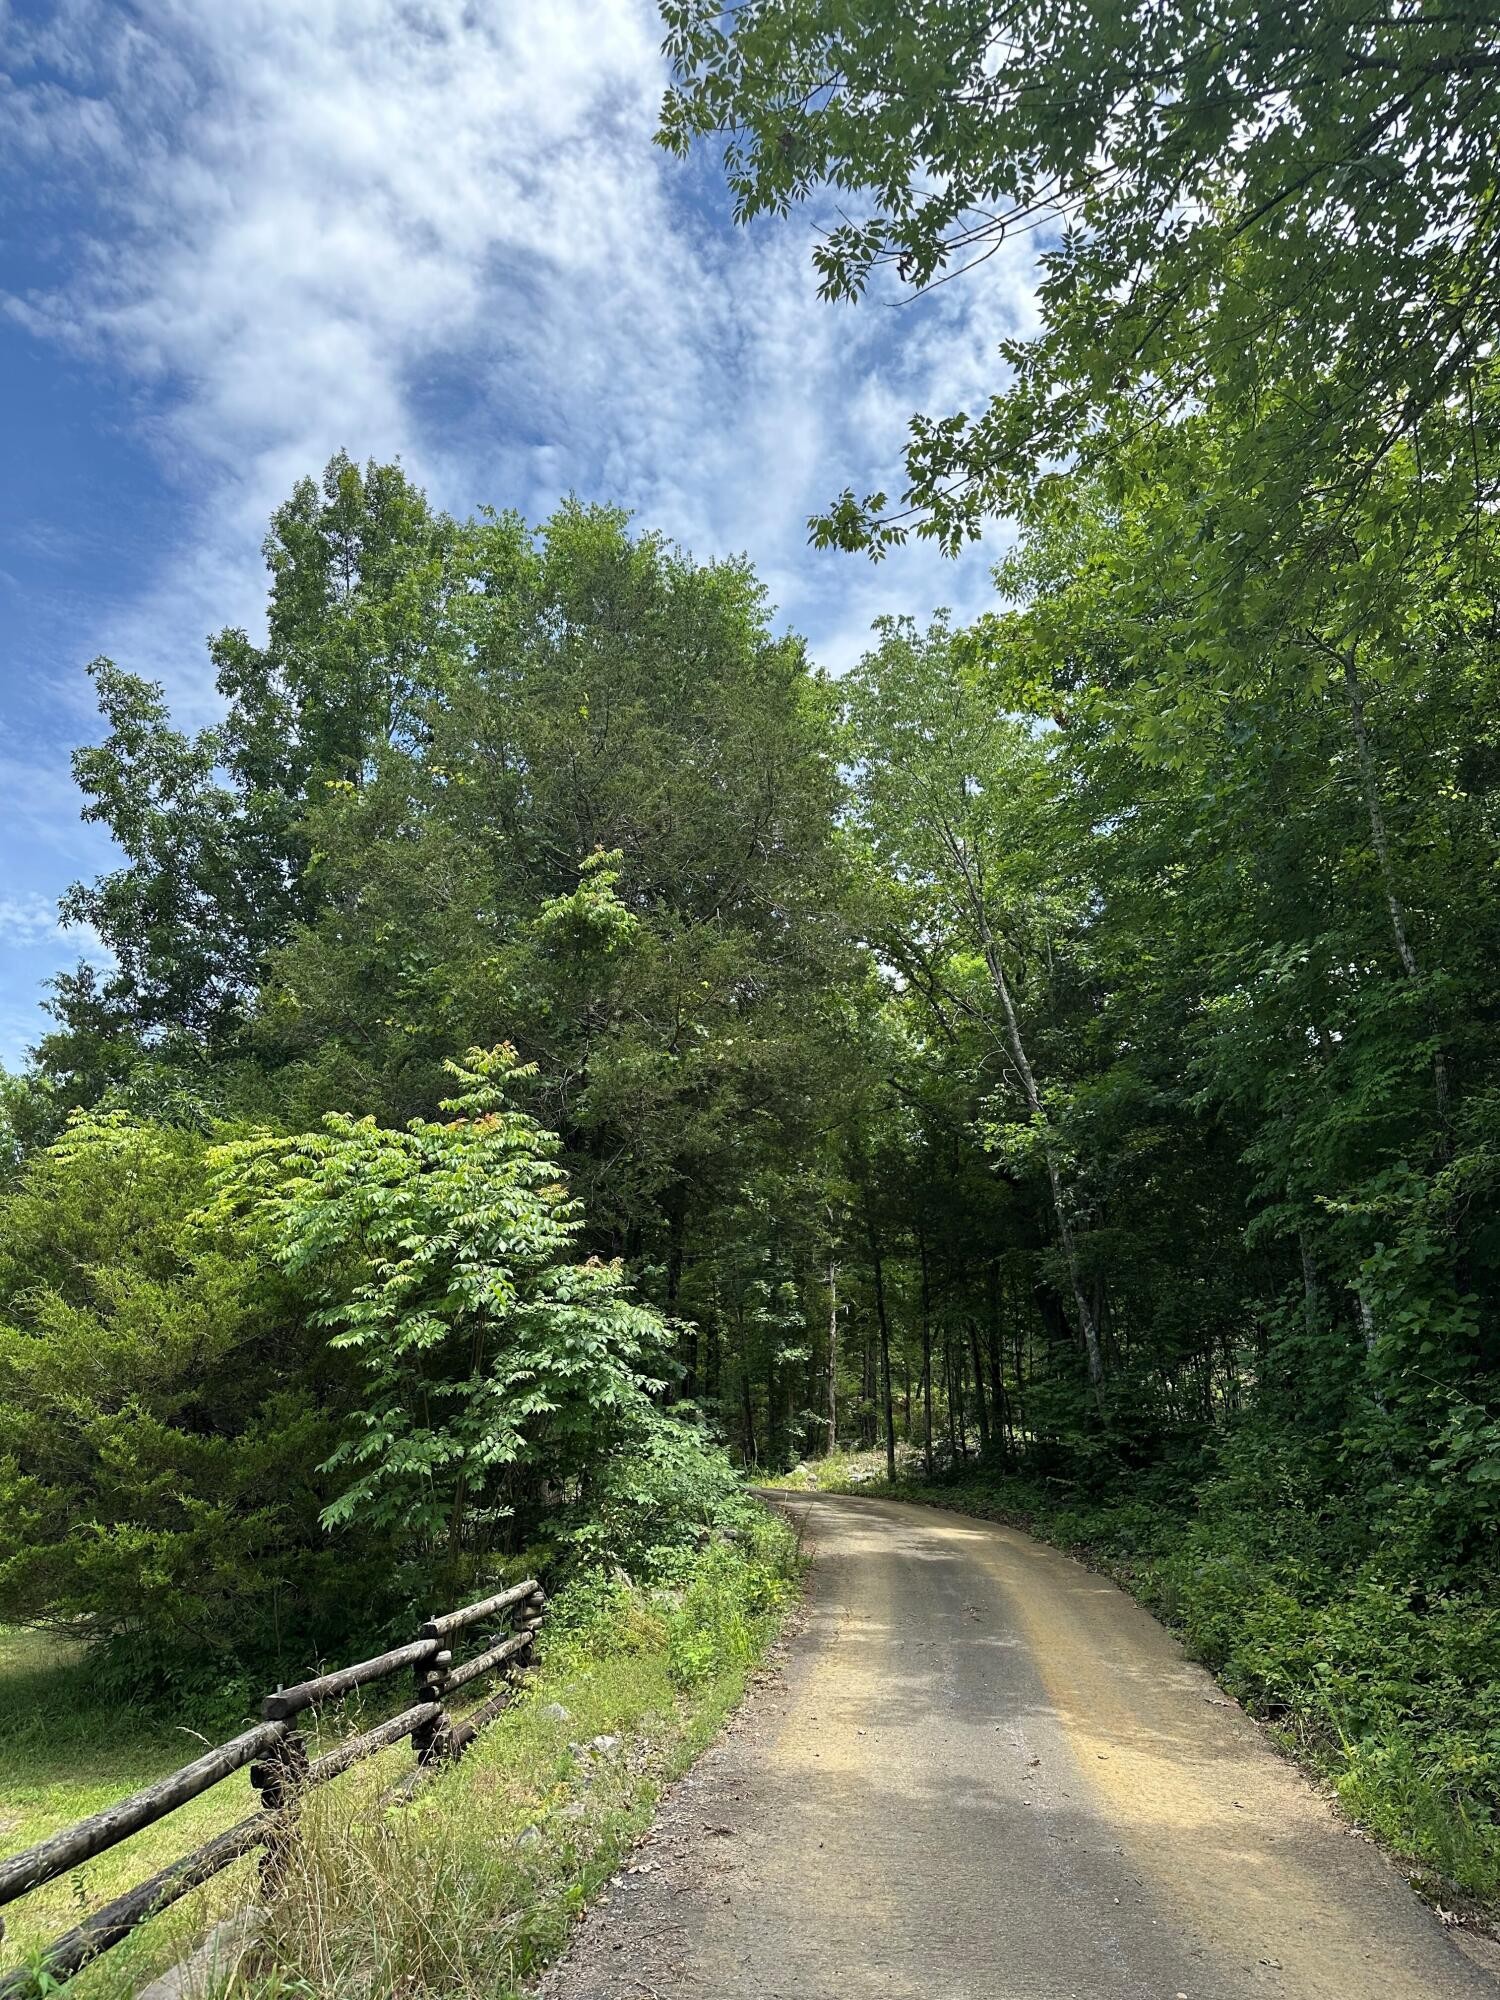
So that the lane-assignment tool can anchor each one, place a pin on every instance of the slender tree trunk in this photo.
(1086, 1325)
(1380, 841)
(885, 1362)
(676, 1230)
(833, 1355)
(926, 1359)
(981, 1414)
(713, 1366)
(953, 1383)
(868, 1428)
(1309, 1286)
(456, 1517)
(1366, 1318)
(996, 1338)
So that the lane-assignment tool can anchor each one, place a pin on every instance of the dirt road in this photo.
(983, 1774)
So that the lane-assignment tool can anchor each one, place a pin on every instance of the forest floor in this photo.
(983, 1772)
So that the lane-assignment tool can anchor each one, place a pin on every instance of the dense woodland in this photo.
(559, 1041)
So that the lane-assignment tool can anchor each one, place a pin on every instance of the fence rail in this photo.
(282, 1771)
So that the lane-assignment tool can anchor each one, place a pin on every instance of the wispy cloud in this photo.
(25, 919)
(34, 947)
(441, 230)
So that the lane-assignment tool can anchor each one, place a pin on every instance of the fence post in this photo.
(432, 1740)
(278, 1778)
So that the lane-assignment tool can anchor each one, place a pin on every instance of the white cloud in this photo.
(314, 205)
(31, 919)
(440, 229)
(25, 919)
(35, 947)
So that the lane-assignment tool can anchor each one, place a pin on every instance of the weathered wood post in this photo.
(433, 1740)
(279, 1777)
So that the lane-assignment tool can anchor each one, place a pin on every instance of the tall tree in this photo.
(1226, 199)
(951, 793)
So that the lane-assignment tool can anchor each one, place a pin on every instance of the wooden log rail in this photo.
(281, 1771)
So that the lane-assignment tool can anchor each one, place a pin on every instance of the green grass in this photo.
(470, 1887)
(65, 1753)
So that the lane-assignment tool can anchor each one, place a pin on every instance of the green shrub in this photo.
(163, 1418)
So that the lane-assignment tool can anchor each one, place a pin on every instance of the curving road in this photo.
(986, 1774)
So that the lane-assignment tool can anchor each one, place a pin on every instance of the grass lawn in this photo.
(64, 1753)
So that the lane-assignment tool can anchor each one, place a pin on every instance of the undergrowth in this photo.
(472, 1887)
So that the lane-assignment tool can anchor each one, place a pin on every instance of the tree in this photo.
(213, 825)
(164, 1410)
(494, 1363)
(950, 793)
(1302, 815)
(1288, 214)
(614, 845)
(188, 915)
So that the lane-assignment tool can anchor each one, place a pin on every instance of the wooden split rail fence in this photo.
(282, 1771)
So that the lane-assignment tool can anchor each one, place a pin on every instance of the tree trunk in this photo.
(748, 1402)
(676, 1228)
(1379, 840)
(833, 1355)
(981, 1413)
(869, 1422)
(1310, 1311)
(1087, 1328)
(1001, 1401)
(885, 1362)
(926, 1360)
(953, 1382)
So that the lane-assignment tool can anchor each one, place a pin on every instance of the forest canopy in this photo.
(559, 1041)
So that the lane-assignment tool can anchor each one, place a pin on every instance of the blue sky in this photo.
(238, 235)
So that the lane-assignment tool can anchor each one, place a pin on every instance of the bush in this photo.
(495, 1364)
(160, 1423)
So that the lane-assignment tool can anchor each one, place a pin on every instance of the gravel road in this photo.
(983, 1773)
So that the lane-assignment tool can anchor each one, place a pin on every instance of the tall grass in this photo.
(472, 1886)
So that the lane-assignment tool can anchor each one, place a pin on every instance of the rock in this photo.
(603, 1745)
(216, 1959)
(555, 1712)
(528, 1836)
